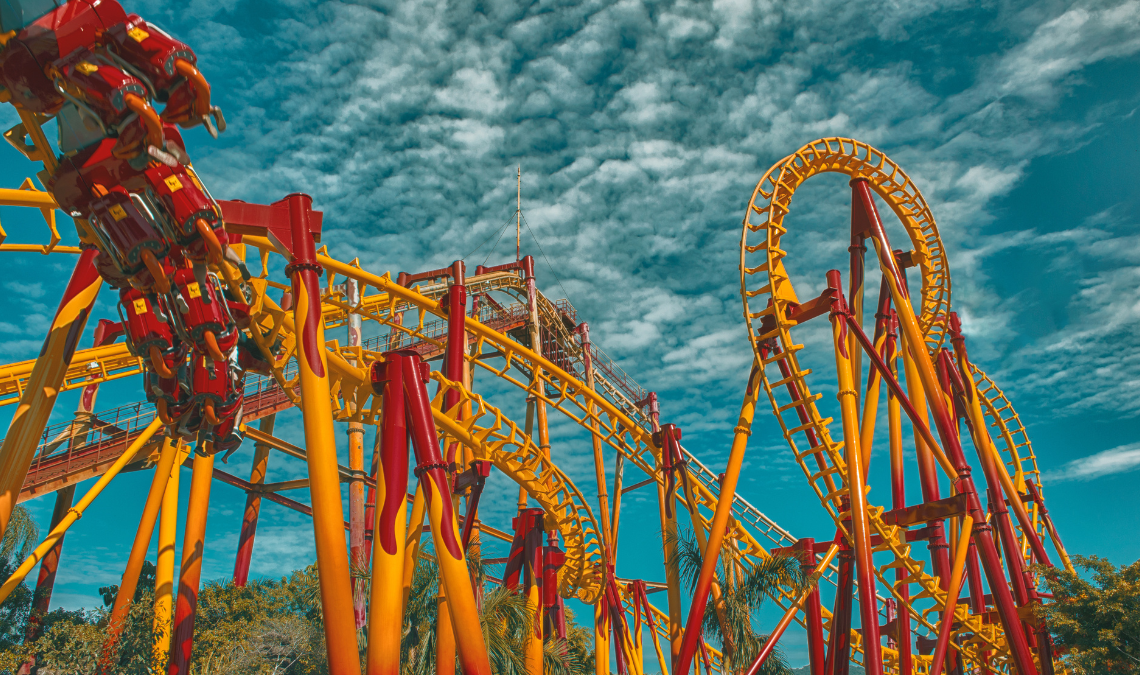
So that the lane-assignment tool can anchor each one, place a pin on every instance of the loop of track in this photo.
(771, 202)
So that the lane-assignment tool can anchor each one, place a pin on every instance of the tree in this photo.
(1097, 621)
(19, 540)
(742, 599)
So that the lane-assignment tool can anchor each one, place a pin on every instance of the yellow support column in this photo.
(122, 606)
(320, 445)
(164, 568)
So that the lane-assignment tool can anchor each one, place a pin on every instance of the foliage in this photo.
(274, 627)
(742, 599)
(505, 619)
(19, 540)
(1097, 621)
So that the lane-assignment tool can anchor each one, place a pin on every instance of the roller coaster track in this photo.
(768, 294)
(622, 424)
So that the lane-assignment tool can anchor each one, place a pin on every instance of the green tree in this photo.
(742, 599)
(19, 540)
(505, 619)
(1096, 621)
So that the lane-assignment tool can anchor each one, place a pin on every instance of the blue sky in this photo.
(642, 129)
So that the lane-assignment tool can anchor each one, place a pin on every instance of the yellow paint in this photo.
(172, 183)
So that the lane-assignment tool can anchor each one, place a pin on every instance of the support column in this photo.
(431, 471)
(252, 505)
(839, 641)
(44, 382)
(860, 529)
(320, 444)
(386, 609)
(356, 523)
(370, 501)
(164, 567)
(959, 470)
(898, 499)
(41, 599)
(812, 608)
(130, 580)
(193, 549)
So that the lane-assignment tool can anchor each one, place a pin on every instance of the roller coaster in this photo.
(219, 344)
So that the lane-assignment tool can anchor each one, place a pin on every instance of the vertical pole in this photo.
(137, 556)
(666, 507)
(386, 608)
(839, 641)
(908, 322)
(455, 304)
(898, 498)
(190, 577)
(320, 443)
(356, 467)
(619, 473)
(45, 380)
(599, 475)
(164, 567)
(860, 529)
(858, 252)
(692, 636)
(431, 470)
(601, 637)
(812, 608)
(370, 501)
(252, 505)
(528, 428)
(518, 219)
(977, 597)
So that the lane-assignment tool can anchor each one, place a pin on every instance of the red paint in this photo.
(839, 645)
(425, 443)
(393, 452)
(983, 533)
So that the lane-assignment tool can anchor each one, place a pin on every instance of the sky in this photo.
(641, 129)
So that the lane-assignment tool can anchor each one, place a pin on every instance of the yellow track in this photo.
(492, 436)
(767, 291)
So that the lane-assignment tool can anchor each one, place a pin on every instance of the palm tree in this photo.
(505, 619)
(20, 538)
(742, 599)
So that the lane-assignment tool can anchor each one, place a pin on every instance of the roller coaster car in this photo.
(148, 331)
(169, 66)
(203, 315)
(83, 76)
(45, 33)
(218, 387)
(170, 396)
(197, 223)
(133, 236)
(250, 358)
(105, 161)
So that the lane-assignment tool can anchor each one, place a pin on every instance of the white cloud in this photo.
(1108, 462)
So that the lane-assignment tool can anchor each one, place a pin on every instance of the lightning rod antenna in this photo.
(518, 219)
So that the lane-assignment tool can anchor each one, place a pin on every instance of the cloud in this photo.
(642, 130)
(1106, 463)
